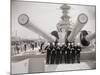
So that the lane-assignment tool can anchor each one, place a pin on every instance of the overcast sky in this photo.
(45, 16)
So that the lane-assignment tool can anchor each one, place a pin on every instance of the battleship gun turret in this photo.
(81, 21)
(24, 21)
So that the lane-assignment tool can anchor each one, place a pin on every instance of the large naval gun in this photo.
(24, 20)
(82, 19)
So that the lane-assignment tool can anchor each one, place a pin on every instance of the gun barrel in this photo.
(23, 20)
(81, 21)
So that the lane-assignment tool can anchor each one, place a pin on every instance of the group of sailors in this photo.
(65, 53)
(23, 47)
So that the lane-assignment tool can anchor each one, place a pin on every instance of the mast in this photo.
(63, 26)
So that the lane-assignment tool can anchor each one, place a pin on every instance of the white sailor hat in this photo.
(78, 44)
(48, 43)
(58, 43)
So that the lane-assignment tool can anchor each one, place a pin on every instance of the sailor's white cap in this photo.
(48, 43)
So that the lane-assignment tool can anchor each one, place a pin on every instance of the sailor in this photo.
(41, 46)
(63, 53)
(32, 46)
(48, 53)
(78, 50)
(58, 53)
(73, 54)
(25, 47)
(53, 54)
(17, 48)
(68, 53)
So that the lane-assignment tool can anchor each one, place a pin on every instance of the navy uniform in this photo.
(48, 54)
(72, 52)
(68, 54)
(73, 55)
(58, 55)
(78, 50)
(53, 55)
(64, 54)
(61, 54)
